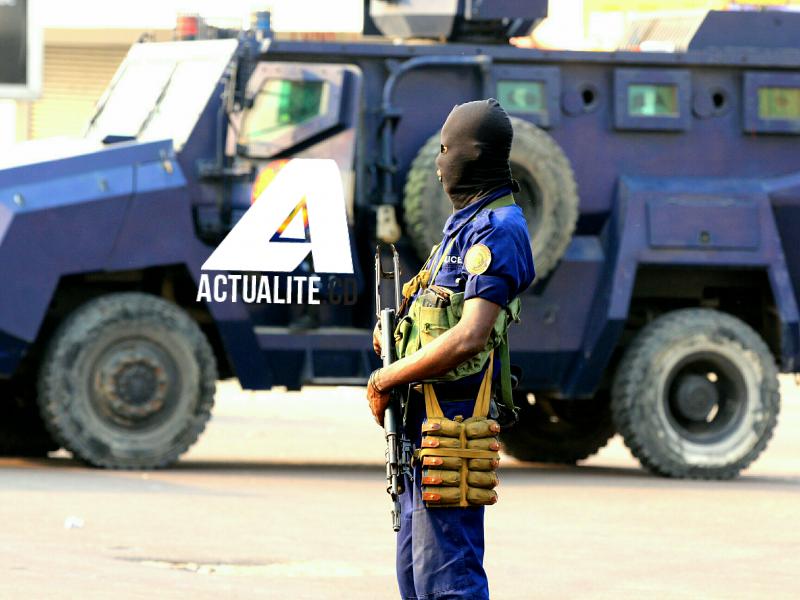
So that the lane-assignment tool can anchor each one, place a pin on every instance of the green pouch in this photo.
(432, 323)
(432, 312)
(457, 471)
(482, 479)
(443, 496)
(431, 441)
(443, 309)
(450, 463)
(484, 444)
(479, 427)
(402, 336)
(481, 496)
(483, 464)
(425, 322)
(442, 426)
(442, 477)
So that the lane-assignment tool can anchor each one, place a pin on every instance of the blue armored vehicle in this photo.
(138, 264)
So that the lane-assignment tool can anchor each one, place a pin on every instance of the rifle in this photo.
(398, 446)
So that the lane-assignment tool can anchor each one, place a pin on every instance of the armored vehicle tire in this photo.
(127, 382)
(696, 395)
(559, 431)
(548, 195)
(22, 432)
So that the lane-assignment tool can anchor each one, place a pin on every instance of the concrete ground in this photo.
(283, 498)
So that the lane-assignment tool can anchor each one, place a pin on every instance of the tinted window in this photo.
(651, 100)
(282, 104)
(778, 103)
(522, 96)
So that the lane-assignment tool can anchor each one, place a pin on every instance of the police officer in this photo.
(488, 257)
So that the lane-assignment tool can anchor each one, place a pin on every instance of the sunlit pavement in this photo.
(283, 497)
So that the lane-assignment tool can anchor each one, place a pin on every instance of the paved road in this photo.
(283, 499)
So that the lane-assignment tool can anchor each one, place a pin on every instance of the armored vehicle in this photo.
(662, 193)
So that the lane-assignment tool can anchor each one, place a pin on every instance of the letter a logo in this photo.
(301, 211)
(295, 227)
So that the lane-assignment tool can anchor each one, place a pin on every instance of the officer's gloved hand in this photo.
(377, 397)
(376, 338)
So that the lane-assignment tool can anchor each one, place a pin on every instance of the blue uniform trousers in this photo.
(439, 550)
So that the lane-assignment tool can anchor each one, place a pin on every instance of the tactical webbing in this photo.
(434, 409)
(459, 456)
(500, 202)
(457, 453)
(506, 395)
(431, 255)
(485, 391)
(423, 278)
(470, 477)
(431, 402)
(504, 201)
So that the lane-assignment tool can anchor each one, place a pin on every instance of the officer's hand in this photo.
(377, 397)
(376, 338)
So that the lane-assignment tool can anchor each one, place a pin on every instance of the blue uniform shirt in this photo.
(505, 233)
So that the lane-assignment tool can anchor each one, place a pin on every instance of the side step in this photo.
(323, 356)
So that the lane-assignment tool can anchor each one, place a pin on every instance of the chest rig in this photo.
(459, 456)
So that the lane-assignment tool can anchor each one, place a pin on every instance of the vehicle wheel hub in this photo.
(133, 384)
(695, 397)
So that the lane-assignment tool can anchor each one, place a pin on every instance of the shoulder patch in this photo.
(477, 259)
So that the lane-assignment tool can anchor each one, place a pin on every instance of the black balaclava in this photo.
(473, 159)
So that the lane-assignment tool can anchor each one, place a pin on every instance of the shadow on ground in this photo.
(512, 473)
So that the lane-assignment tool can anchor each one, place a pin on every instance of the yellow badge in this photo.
(477, 259)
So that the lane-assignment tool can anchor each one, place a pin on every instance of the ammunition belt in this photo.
(459, 457)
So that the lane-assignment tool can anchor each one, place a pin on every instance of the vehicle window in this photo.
(282, 104)
(779, 103)
(522, 96)
(161, 89)
(135, 93)
(181, 102)
(652, 100)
